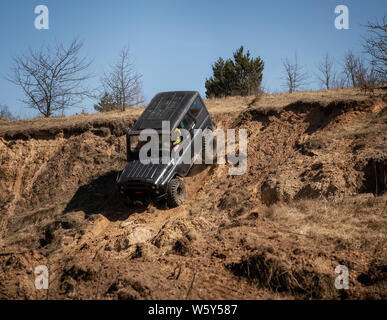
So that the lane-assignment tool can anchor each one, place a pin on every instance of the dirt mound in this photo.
(176, 236)
(269, 270)
(115, 123)
(314, 190)
(321, 149)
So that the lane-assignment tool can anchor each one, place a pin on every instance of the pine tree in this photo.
(106, 104)
(243, 76)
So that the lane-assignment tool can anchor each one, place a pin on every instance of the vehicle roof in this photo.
(165, 106)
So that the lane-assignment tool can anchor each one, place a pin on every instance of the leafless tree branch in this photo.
(358, 74)
(326, 73)
(376, 46)
(295, 76)
(51, 78)
(123, 83)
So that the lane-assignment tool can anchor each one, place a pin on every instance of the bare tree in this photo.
(326, 73)
(376, 46)
(295, 76)
(5, 113)
(358, 73)
(350, 67)
(123, 82)
(339, 81)
(51, 78)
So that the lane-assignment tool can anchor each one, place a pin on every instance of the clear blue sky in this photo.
(175, 42)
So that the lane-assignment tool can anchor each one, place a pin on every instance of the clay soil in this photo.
(313, 197)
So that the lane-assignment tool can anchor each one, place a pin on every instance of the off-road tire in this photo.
(176, 194)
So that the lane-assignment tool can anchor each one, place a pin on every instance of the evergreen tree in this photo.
(105, 104)
(243, 76)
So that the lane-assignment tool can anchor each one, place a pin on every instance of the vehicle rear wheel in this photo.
(176, 192)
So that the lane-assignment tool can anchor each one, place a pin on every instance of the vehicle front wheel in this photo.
(176, 192)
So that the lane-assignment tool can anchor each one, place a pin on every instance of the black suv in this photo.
(140, 182)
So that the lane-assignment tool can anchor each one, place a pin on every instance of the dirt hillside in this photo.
(313, 197)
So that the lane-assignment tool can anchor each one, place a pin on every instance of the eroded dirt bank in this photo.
(313, 197)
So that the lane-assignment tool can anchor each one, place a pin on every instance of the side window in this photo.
(187, 122)
(196, 107)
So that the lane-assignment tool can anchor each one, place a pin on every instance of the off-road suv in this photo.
(140, 182)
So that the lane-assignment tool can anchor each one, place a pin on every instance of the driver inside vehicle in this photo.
(176, 136)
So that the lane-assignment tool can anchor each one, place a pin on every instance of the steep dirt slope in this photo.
(313, 197)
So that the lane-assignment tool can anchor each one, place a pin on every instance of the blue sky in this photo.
(174, 42)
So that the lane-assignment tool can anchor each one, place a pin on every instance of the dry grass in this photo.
(236, 104)
(65, 121)
(364, 127)
(371, 126)
(355, 222)
(221, 105)
(370, 123)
